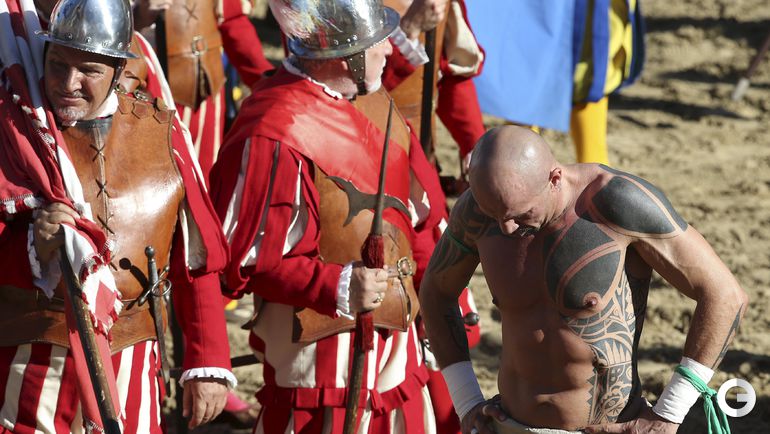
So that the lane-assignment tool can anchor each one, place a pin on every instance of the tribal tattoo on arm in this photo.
(730, 335)
(458, 242)
(451, 266)
(454, 322)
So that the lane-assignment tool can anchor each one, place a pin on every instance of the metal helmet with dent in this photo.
(97, 26)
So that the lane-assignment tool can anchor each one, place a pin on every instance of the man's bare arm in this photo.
(690, 264)
(451, 266)
(682, 257)
(636, 208)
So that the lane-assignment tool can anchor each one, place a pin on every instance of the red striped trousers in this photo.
(40, 394)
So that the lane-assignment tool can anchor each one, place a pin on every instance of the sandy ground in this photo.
(678, 128)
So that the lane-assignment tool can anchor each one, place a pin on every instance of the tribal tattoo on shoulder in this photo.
(466, 225)
(632, 206)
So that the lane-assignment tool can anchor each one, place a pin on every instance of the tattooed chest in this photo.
(585, 277)
(612, 336)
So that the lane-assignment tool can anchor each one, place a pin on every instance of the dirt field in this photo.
(678, 128)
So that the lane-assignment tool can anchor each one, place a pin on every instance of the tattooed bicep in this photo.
(634, 207)
(466, 222)
(458, 242)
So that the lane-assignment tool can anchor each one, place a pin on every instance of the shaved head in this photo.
(511, 157)
(510, 170)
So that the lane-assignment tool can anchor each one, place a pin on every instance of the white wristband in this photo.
(679, 395)
(463, 387)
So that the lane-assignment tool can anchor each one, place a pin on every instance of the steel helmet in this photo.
(326, 29)
(97, 26)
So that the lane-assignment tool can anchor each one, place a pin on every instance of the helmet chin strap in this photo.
(119, 67)
(357, 65)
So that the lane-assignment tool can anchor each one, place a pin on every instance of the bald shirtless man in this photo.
(568, 251)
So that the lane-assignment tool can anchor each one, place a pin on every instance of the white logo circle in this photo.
(749, 398)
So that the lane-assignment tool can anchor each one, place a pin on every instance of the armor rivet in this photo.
(69, 36)
(335, 42)
(120, 45)
(355, 37)
(88, 40)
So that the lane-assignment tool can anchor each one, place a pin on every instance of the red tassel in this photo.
(373, 251)
(373, 256)
(365, 330)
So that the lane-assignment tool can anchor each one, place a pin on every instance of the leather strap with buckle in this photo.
(198, 46)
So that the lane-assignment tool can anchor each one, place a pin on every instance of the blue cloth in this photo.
(527, 76)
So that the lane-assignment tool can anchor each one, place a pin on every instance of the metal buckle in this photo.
(199, 46)
(404, 266)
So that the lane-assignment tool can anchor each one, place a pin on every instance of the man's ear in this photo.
(555, 178)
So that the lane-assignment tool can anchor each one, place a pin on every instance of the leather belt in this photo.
(29, 316)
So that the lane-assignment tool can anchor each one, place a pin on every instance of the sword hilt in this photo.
(152, 276)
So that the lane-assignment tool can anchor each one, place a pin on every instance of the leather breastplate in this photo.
(341, 243)
(194, 45)
(126, 168)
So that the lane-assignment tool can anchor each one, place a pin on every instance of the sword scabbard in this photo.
(156, 309)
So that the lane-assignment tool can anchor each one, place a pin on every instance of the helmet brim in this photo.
(47, 37)
(392, 20)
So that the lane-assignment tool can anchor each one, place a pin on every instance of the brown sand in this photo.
(678, 128)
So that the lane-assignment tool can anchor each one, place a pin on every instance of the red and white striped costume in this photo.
(39, 384)
(461, 60)
(306, 384)
(244, 50)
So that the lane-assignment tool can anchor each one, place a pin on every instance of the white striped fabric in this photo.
(40, 389)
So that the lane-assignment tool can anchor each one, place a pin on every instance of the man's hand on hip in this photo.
(204, 399)
(478, 420)
(648, 422)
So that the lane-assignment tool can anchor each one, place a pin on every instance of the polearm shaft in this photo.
(161, 47)
(428, 83)
(373, 256)
(94, 362)
(743, 83)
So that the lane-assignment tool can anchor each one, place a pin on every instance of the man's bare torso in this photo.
(572, 300)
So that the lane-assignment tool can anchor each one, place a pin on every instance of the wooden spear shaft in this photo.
(373, 256)
(94, 362)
